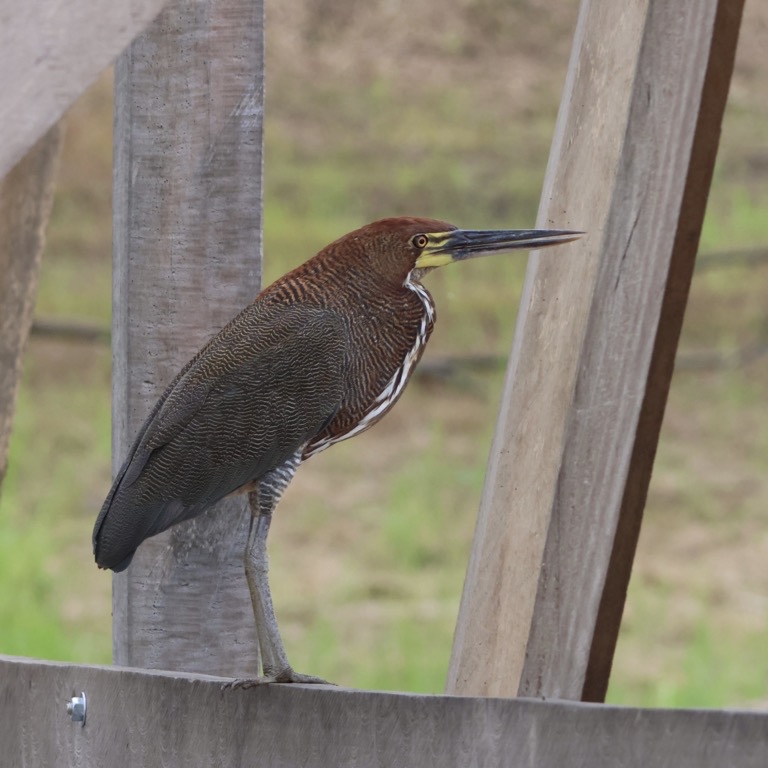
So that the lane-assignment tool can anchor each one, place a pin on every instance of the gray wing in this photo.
(261, 388)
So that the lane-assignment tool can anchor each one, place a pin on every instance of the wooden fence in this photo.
(631, 164)
(163, 719)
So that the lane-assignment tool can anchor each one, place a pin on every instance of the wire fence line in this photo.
(737, 257)
(452, 367)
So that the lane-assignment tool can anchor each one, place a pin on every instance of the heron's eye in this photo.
(420, 241)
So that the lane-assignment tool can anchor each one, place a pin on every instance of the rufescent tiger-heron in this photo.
(319, 356)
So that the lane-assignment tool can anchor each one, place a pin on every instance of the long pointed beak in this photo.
(460, 244)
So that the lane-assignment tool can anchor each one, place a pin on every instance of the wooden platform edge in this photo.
(153, 718)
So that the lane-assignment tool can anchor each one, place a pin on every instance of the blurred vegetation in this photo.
(370, 543)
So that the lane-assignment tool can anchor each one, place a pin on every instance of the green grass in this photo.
(705, 663)
(58, 461)
(739, 220)
(370, 544)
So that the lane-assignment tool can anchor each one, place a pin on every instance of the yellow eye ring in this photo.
(420, 241)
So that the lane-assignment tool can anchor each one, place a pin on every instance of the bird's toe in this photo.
(288, 675)
(282, 676)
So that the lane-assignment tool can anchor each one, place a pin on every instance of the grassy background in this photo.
(370, 543)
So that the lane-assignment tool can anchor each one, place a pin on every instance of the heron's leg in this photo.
(273, 656)
(263, 502)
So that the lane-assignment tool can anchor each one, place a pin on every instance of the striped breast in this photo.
(379, 402)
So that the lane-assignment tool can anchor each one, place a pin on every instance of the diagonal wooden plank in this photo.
(26, 197)
(593, 355)
(187, 258)
(50, 52)
(160, 719)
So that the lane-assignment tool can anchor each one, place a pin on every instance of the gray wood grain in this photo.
(26, 197)
(159, 720)
(50, 52)
(594, 350)
(187, 257)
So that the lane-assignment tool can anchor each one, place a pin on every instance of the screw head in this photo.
(76, 707)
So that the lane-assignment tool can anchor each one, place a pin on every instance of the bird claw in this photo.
(289, 676)
(283, 676)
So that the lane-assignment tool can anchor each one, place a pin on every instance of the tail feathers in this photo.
(125, 522)
(121, 566)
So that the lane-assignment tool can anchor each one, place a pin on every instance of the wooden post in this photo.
(187, 257)
(26, 197)
(50, 52)
(593, 355)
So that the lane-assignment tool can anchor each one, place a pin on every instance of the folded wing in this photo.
(254, 395)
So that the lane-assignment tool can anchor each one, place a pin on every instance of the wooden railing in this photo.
(167, 719)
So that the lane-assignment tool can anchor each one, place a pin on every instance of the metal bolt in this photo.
(76, 708)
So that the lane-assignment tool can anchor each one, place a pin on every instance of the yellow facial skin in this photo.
(434, 254)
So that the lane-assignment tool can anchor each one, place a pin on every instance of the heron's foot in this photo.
(241, 683)
(287, 675)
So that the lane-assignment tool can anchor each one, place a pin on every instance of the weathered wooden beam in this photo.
(50, 52)
(157, 719)
(589, 372)
(26, 197)
(187, 257)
